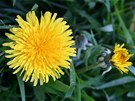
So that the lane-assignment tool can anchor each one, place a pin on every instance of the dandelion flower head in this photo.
(39, 50)
(120, 58)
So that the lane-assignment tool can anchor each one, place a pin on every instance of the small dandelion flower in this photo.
(39, 50)
(120, 58)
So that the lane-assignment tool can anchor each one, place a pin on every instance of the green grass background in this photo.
(103, 23)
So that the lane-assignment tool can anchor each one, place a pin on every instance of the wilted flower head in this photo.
(120, 58)
(38, 50)
(104, 60)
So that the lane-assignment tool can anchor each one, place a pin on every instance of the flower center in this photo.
(122, 58)
(39, 48)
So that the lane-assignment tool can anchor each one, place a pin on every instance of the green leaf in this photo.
(59, 86)
(116, 82)
(93, 38)
(106, 3)
(90, 37)
(78, 90)
(95, 24)
(21, 86)
(131, 94)
(69, 92)
(12, 10)
(39, 93)
(11, 93)
(35, 7)
(7, 26)
(132, 69)
(72, 75)
(14, 1)
(48, 89)
(2, 57)
(114, 2)
(72, 82)
(125, 30)
(86, 97)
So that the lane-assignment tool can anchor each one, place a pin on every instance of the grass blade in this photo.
(21, 86)
(35, 7)
(125, 30)
(132, 69)
(116, 82)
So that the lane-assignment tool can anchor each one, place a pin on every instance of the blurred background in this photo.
(97, 25)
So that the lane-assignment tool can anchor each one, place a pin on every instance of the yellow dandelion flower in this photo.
(38, 50)
(120, 58)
